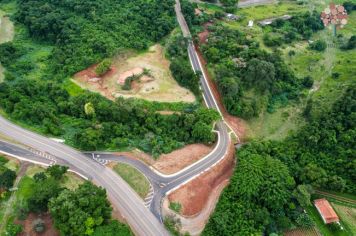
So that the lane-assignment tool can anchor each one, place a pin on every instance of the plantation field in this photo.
(160, 86)
(303, 232)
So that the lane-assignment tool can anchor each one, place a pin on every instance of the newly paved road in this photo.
(122, 197)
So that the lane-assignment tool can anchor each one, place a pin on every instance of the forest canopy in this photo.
(86, 32)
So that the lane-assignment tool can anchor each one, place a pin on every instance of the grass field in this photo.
(347, 215)
(134, 178)
(318, 65)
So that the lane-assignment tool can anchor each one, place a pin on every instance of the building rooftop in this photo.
(326, 211)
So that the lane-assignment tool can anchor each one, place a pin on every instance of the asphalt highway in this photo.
(122, 197)
(142, 220)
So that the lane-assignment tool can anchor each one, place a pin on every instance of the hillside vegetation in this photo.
(57, 38)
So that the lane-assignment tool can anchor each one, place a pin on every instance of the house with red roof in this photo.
(326, 211)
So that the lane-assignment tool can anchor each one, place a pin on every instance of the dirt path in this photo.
(10, 202)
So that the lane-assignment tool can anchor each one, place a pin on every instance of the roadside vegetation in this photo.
(295, 85)
(43, 201)
(134, 178)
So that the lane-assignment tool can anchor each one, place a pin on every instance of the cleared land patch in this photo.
(159, 86)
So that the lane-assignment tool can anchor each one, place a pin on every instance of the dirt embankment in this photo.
(237, 124)
(175, 161)
(199, 196)
(195, 194)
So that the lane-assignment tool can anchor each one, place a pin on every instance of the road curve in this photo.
(122, 197)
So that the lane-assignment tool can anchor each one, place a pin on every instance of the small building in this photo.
(250, 23)
(326, 211)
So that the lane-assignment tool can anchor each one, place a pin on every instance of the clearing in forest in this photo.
(158, 85)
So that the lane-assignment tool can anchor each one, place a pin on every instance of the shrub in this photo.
(39, 226)
(308, 82)
(318, 45)
(175, 206)
(103, 67)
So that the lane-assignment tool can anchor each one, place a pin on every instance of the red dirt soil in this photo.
(181, 158)
(195, 194)
(203, 36)
(28, 228)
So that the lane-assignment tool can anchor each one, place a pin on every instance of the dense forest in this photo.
(78, 35)
(85, 32)
(273, 181)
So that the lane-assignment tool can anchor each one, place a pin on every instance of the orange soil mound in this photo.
(195, 194)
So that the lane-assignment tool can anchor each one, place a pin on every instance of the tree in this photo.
(305, 221)
(40, 176)
(80, 211)
(318, 45)
(302, 194)
(89, 109)
(57, 171)
(43, 191)
(260, 74)
(114, 228)
(7, 178)
(202, 132)
(103, 67)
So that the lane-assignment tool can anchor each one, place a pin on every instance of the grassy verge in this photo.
(134, 178)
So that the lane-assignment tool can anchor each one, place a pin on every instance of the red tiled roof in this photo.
(326, 211)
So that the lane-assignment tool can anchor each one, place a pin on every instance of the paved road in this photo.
(127, 202)
(122, 197)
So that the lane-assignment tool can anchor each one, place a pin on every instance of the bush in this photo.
(39, 226)
(13, 229)
(318, 45)
(103, 67)
(308, 82)
(175, 206)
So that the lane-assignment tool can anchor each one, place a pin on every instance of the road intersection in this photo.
(143, 220)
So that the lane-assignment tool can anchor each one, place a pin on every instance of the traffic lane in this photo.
(125, 200)
(17, 151)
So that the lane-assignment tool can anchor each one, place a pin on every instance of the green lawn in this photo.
(134, 178)
(347, 215)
